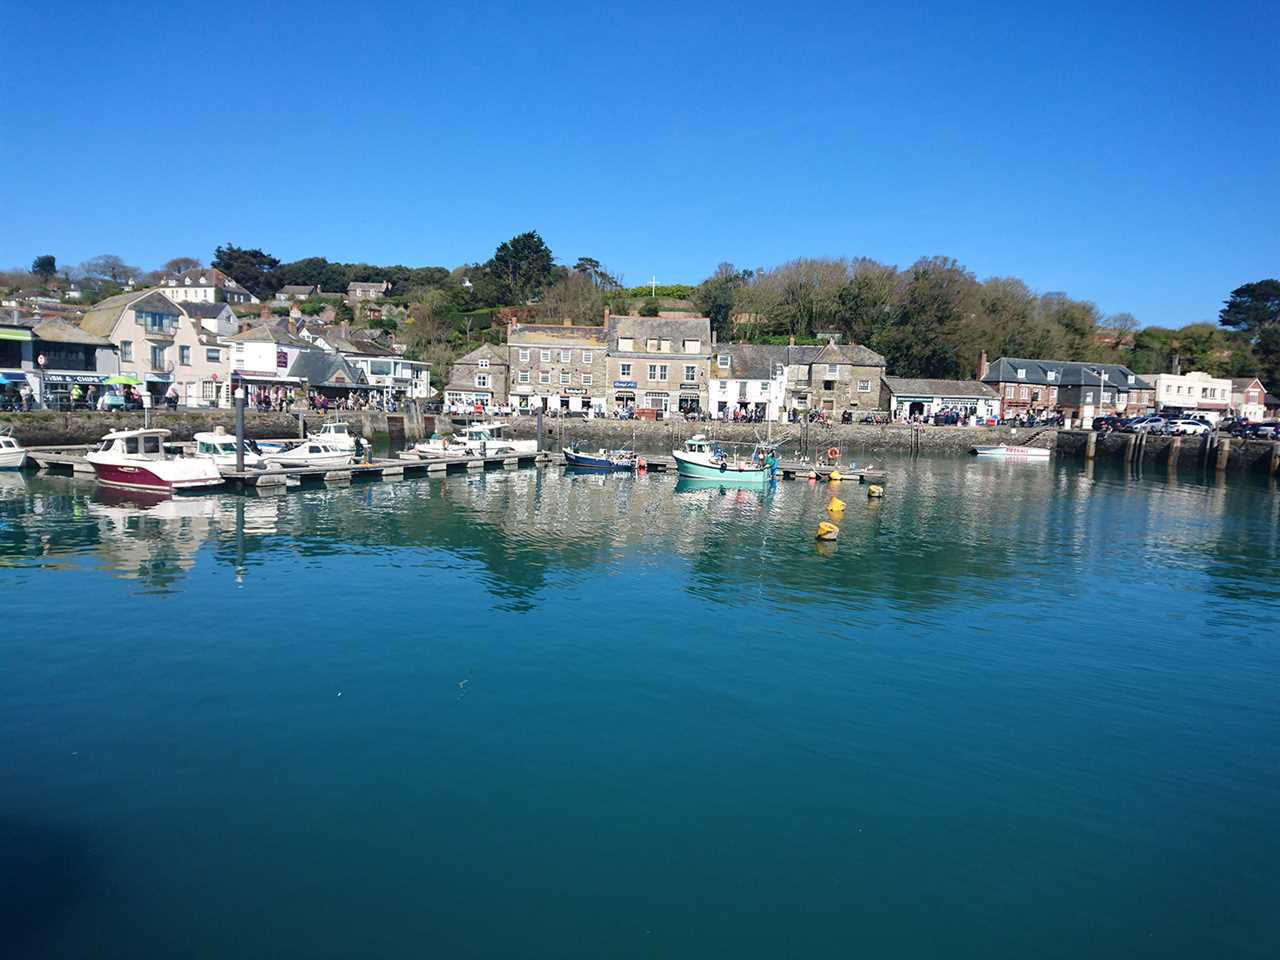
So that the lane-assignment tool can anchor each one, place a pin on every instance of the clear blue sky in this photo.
(1123, 153)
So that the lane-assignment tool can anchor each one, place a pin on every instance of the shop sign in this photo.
(624, 384)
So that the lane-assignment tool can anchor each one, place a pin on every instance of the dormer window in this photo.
(1052, 374)
(187, 281)
(723, 360)
(483, 364)
(1022, 373)
(1132, 378)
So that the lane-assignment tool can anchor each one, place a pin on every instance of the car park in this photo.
(1145, 425)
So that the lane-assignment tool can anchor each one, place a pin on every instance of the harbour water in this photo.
(1017, 710)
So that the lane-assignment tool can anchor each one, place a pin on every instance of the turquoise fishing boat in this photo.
(703, 459)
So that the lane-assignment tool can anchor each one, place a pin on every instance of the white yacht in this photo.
(477, 440)
(12, 454)
(220, 447)
(309, 453)
(138, 460)
(336, 433)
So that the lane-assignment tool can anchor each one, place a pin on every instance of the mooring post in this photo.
(239, 429)
(1175, 447)
(1224, 452)
(302, 425)
(539, 415)
(1091, 445)
(1275, 458)
(1130, 445)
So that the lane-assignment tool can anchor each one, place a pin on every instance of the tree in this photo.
(522, 266)
(601, 277)
(717, 297)
(181, 265)
(109, 267)
(45, 267)
(649, 308)
(249, 268)
(1254, 309)
(575, 298)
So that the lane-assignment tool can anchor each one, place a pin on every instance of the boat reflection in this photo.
(746, 489)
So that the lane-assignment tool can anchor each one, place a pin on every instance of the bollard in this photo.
(1091, 446)
(1224, 452)
(1175, 448)
(239, 429)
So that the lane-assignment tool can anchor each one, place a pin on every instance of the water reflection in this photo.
(947, 529)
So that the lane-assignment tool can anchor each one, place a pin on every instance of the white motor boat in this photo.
(1006, 452)
(309, 453)
(137, 460)
(477, 440)
(337, 434)
(12, 454)
(220, 447)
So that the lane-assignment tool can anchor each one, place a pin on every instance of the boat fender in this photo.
(875, 491)
(642, 464)
(836, 505)
(836, 476)
(827, 530)
(833, 453)
(813, 476)
(723, 466)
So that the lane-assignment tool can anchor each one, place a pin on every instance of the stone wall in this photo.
(1179, 453)
(814, 438)
(46, 428)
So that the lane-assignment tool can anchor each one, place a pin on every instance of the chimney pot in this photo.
(791, 340)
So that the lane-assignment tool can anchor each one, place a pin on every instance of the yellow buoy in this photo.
(836, 476)
(875, 491)
(836, 505)
(828, 530)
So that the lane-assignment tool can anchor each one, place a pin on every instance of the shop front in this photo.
(624, 394)
(61, 393)
(690, 403)
(657, 400)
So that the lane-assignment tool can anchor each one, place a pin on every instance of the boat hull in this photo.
(1005, 452)
(594, 462)
(138, 477)
(697, 469)
(12, 458)
(287, 462)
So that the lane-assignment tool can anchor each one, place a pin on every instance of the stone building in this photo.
(1077, 390)
(659, 364)
(479, 377)
(558, 366)
(906, 397)
(833, 378)
(1248, 398)
(204, 285)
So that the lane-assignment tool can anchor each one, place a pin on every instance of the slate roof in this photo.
(555, 334)
(1240, 384)
(102, 318)
(1068, 373)
(675, 330)
(304, 289)
(324, 369)
(57, 330)
(486, 351)
(915, 387)
(202, 277)
(747, 361)
(848, 353)
(268, 333)
(204, 311)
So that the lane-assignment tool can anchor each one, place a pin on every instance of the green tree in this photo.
(1254, 310)
(649, 308)
(45, 267)
(717, 297)
(249, 268)
(523, 266)
(181, 265)
(109, 267)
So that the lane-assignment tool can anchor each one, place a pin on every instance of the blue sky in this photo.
(1126, 154)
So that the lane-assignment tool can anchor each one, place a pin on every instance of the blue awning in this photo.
(10, 377)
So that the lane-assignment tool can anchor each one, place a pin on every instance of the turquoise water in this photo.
(1016, 711)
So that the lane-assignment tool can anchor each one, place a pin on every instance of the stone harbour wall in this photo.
(812, 438)
(45, 428)
(1228, 454)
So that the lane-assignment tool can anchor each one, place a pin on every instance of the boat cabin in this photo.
(333, 429)
(137, 444)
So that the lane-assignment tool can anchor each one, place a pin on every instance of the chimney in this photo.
(344, 328)
(293, 324)
(791, 340)
(713, 338)
(566, 322)
(265, 314)
(606, 314)
(983, 366)
(244, 324)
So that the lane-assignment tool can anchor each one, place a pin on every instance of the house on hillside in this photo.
(161, 344)
(370, 290)
(659, 364)
(558, 367)
(479, 377)
(748, 380)
(296, 292)
(206, 285)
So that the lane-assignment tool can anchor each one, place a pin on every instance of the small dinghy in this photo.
(600, 460)
(1006, 452)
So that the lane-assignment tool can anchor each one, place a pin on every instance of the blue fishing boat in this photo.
(600, 460)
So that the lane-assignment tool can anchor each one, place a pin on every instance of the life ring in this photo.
(833, 453)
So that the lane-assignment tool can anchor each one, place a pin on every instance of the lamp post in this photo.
(40, 362)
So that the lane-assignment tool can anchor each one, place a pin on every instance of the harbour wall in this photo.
(45, 428)
(1206, 452)
(806, 439)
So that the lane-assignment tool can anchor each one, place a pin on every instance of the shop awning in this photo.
(15, 333)
(7, 377)
(90, 378)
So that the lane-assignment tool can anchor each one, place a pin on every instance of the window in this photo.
(722, 360)
(666, 345)
(662, 371)
(693, 346)
(126, 350)
(157, 358)
(545, 356)
(184, 356)
(130, 444)
(653, 371)
(209, 391)
(833, 371)
(588, 380)
(154, 322)
(587, 356)
(1022, 373)
(1132, 378)
(482, 380)
(626, 344)
(624, 370)
(566, 356)
(1088, 396)
(566, 379)
(1052, 375)
(482, 364)
(690, 373)
(544, 376)
(524, 356)
(522, 376)
(150, 444)
(1025, 393)
(652, 345)
(1106, 396)
(213, 355)
(828, 384)
(723, 386)
(864, 386)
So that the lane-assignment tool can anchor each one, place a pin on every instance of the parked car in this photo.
(1235, 426)
(1187, 426)
(1108, 423)
(1145, 425)
(1267, 430)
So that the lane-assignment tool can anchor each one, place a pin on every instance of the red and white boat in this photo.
(1006, 452)
(136, 459)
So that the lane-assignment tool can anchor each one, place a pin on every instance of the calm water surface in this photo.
(1017, 711)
